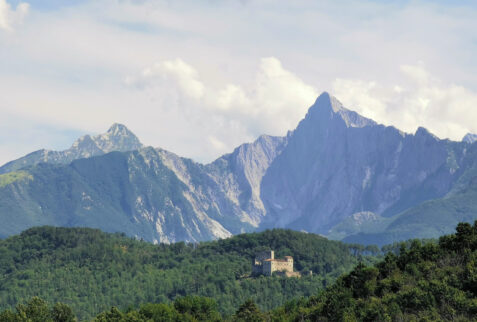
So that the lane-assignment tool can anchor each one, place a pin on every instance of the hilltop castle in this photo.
(265, 263)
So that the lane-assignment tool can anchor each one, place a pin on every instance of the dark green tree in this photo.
(36, 310)
(62, 313)
(249, 312)
(159, 312)
(199, 308)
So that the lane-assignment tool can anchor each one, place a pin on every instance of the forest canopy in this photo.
(424, 281)
(91, 271)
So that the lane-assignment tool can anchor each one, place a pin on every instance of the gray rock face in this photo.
(240, 174)
(117, 138)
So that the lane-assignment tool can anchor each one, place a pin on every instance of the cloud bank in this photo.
(199, 78)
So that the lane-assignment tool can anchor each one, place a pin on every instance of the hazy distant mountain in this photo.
(338, 174)
(117, 138)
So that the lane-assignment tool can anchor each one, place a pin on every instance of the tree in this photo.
(249, 312)
(62, 313)
(36, 310)
(113, 315)
(200, 308)
(8, 316)
(159, 312)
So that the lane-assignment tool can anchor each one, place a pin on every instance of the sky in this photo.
(199, 78)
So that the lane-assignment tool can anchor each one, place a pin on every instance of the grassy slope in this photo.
(9, 178)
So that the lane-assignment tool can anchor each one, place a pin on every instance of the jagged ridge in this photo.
(117, 138)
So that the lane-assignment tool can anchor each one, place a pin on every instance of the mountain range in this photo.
(338, 174)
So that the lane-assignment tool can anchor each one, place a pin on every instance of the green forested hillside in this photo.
(422, 281)
(90, 270)
(425, 282)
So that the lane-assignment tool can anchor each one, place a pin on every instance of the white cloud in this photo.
(10, 17)
(177, 71)
(217, 144)
(232, 95)
(420, 99)
(66, 67)
(272, 103)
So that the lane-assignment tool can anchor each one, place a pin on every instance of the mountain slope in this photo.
(149, 193)
(131, 192)
(434, 217)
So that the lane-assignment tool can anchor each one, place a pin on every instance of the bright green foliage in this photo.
(38, 310)
(92, 271)
(425, 282)
(8, 178)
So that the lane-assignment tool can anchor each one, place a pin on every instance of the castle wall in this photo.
(265, 263)
(270, 266)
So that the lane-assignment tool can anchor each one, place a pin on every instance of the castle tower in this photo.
(260, 259)
(289, 260)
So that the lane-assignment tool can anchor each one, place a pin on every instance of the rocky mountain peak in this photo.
(423, 132)
(327, 101)
(117, 138)
(329, 107)
(469, 138)
(118, 129)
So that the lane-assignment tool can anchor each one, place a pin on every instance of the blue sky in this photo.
(200, 77)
